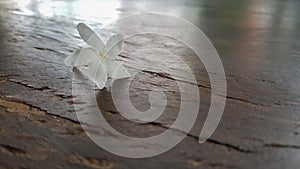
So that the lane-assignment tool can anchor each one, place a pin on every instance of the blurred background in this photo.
(258, 43)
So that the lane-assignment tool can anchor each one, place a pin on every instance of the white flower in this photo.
(100, 58)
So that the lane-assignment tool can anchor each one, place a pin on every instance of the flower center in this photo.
(100, 55)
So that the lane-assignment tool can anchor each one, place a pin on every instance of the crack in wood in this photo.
(260, 104)
(29, 85)
(12, 150)
(160, 74)
(276, 145)
(22, 107)
(230, 146)
(47, 49)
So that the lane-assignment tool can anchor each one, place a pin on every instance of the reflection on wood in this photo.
(256, 40)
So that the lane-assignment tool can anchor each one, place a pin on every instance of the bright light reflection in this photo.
(23, 2)
(103, 11)
(52, 8)
(106, 10)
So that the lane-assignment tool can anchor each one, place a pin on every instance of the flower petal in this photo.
(113, 46)
(115, 69)
(97, 73)
(81, 57)
(90, 37)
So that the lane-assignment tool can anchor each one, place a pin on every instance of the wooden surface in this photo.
(258, 43)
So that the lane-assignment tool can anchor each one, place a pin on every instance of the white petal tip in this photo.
(67, 62)
(100, 86)
(201, 140)
(81, 25)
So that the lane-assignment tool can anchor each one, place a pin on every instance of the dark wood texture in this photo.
(258, 43)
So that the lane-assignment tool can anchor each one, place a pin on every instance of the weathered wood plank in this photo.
(260, 125)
